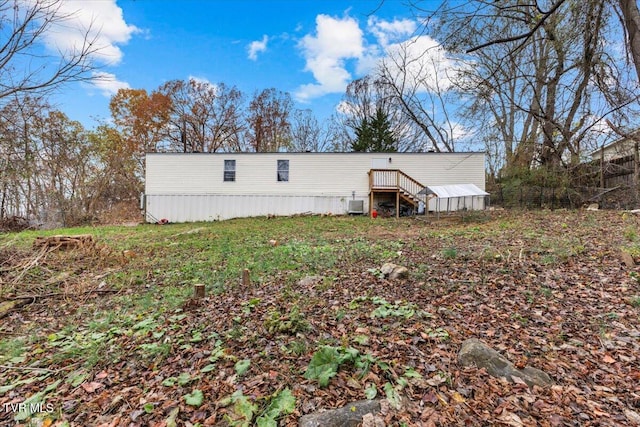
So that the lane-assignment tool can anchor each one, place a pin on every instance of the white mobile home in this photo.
(185, 187)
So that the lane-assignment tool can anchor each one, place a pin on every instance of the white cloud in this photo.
(99, 21)
(417, 59)
(107, 83)
(202, 80)
(257, 46)
(336, 40)
(391, 31)
(423, 63)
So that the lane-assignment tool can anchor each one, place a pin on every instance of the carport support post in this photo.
(370, 203)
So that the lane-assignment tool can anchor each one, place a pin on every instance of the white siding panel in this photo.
(207, 207)
(334, 174)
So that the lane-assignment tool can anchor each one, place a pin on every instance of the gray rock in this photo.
(347, 416)
(399, 273)
(370, 420)
(627, 259)
(310, 281)
(387, 268)
(393, 271)
(476, 353)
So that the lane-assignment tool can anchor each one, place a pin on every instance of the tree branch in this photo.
(524, 36)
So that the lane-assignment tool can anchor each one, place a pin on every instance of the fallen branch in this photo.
(602, 193)
(11, 304)
(27, 368)
(60, 294)
(32, 263)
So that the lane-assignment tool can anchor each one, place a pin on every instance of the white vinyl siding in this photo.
(309, 173)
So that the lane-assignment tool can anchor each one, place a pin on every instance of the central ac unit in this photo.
(356, 207)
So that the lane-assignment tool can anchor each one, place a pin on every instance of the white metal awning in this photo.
(456, 190)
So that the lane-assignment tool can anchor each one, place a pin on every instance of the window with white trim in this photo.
(229, 170)
(283, 170)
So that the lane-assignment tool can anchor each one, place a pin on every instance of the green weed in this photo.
(296, 348)
(290, 323)
(450, 253)
(326, 361)
(517, 316)
(631, 234)
(13, 350)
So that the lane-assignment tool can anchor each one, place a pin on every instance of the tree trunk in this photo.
(631, 16)
(636, 171)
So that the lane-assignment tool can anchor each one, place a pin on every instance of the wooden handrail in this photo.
(395, 180)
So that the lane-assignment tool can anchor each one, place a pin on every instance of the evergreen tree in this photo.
(374, 135)
(364, 137)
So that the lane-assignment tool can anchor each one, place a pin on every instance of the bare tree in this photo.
(542, 76)
(204, 117)
(421, 86)
(627, 9)
(24, 68)
(48, 164)
(268, 123)
(631, 22)
(65, 169)
(306, 132)
(19, 119)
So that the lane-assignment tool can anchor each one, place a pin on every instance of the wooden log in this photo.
(198, 291)
(8, 306)
(246, 279)
(64, 242)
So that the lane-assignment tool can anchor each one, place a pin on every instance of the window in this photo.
(229, 170)
(283, 170)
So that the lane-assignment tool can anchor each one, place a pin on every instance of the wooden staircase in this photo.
(395, 181)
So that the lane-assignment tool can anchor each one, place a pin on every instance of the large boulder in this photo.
(476, 353)
(347, 416)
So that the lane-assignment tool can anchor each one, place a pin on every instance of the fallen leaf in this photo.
(457, 397)
(632, 416)
(436, 380)
(608, 359)
(511, 419)
(92, 386)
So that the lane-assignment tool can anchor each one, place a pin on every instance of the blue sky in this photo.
(309, 48)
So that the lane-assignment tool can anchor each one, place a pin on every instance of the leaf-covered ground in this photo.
(114, 338)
